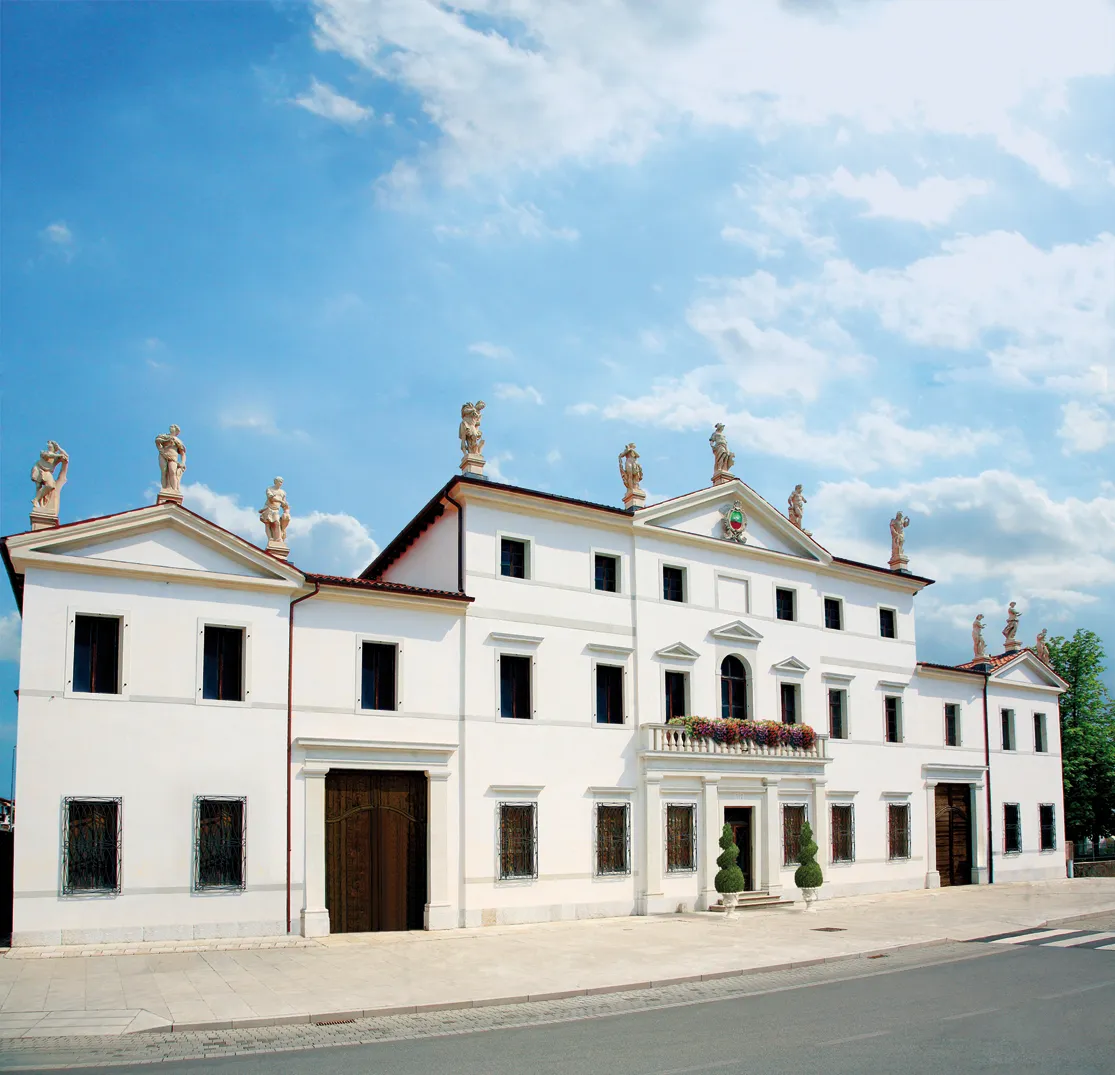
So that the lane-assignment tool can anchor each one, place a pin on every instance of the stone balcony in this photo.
(674, 739)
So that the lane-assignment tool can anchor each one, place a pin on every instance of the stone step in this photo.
(748, 901)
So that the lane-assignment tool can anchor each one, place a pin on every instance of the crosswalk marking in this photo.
(1089, 939)
(1094, 940)
(1038, 935)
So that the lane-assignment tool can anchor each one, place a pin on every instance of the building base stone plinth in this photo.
(315, 923)
(979, 875)
(440, 916)
(933, 879)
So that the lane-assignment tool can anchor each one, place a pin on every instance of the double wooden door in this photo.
(739, 817)
(954, 833)
(375, 850)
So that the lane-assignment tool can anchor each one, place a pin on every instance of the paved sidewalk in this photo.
(358, 975)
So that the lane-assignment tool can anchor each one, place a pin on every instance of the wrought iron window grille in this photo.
(843, 833)
(220, 843)
(1047, 822)
(898, 831)
(612, 839)
(1012, 829)
(681, 837)
(518, 841)
(91, 831)
(793, 817)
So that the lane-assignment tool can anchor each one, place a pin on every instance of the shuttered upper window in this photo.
(96, 654)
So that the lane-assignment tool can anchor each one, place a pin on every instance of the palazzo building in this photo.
(213, 742)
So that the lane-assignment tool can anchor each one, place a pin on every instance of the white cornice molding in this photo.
(837, 677)
(892, 685)
(610, 791)
(738, 633)
(515, 789)
(524, 503)
(1027, 659)
(609, 650)
(430, 602)
(679, 651)
(791, 666)
(511, 638)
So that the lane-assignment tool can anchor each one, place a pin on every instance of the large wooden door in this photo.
(739, 817)
(954, 833)
(375, 850)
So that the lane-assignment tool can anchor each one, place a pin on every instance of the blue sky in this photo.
(874, 239)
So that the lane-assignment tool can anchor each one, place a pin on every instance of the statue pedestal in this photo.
(900, 564)
(722, 477)
(277, 549)
(1013, 646)
(635, 499)
(168, 496)
(41, 520)
(473, 463)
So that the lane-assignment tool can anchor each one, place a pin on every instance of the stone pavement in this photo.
(359, 975)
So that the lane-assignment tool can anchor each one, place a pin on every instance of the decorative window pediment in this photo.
(790, 667)
(679, 651)
(510, 637)
(737, 632)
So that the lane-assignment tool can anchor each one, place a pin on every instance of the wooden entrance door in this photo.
(375, 850)
(954, 833)
(739, 817)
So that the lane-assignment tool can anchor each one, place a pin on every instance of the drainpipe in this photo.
(460, 543)
(987, 766)
(290, 730)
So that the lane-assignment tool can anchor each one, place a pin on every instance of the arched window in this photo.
(733, 689)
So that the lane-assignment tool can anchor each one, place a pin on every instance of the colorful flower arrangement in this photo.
(768, 733)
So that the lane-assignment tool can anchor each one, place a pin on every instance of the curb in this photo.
(351, 1015)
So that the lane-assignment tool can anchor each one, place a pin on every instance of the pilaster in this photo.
(439, 914)
(708, 846)
(820, 812)
(315, 916)
(772, 838)
(651, 895)
(932, 874)
(979, 835)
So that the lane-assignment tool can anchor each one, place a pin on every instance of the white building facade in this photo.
(214, 743)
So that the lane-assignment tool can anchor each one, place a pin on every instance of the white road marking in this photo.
(1068, 942)
(1041, 935)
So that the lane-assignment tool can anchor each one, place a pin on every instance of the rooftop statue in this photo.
(979, 646)
(1041, 647)
(631, 471)
(796, 503)
(275, 516)
(722, 457)
(1011, 630)
(48, 486)
(472, 440)
(898, 557)
(172, 464)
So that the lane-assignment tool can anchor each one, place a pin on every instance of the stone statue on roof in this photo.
(275, 516)
(48, 486)
(1041, 647)
(979, 646)
(796, 504)
(472, 440)
(631, 471)
(898, 557)
(1011, 630)
(172, 464)
(722, 457)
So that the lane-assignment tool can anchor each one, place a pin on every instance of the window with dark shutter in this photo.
(673, 584)
(898, 831)
(1047, 818)
(518, 854)
(1040, 746)
(675, 694)
(219, 857)
(378, 675)
(612, 840)
(952, 724)
(606, 573)
(887, 623)
(834, 614)
(894, 719)
(223, 672)
(609, 694)
(788, 693)
(733, 689)
(514, 687)
(838, 728)
(513, 558)
(96, 654)
(843, 834)
(91, 846)
(680, 842)
(1007, 720)
(784, 604)
(1012, 828)
(793, 817)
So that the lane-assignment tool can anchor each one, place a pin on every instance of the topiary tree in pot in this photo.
(808, 874)
(729, 878)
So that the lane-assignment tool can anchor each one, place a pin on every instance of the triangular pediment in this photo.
(1027, 670)
(679, 651)
(738, 633)
(790, 666)
(162, 539)
(703, 513)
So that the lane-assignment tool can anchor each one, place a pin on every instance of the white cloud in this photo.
(553, 457)
(59, 240)
(525, 221)
(518, 393)
(1086, 428)
(933, 201)
(651, 340)
(326, 102)
(530, 84)
(10, 625)
(328, 542)
(493, 464)
(258, 421)
(782, 209)
(490, 350)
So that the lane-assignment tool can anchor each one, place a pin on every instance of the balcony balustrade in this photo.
(676, 739)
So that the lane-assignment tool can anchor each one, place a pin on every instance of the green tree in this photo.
(808, 873)
(1087, 736)
(729, 877)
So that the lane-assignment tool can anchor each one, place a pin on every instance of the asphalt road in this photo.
(1010, 1009)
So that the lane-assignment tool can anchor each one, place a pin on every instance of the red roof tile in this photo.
(386, 587)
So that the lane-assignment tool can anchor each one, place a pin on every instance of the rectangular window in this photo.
(1006, 717)
(377, 675)
(675, 694)
(898, 831)
(219, 844)
(607, 572)
(843, 834)
(609, 694)
(223, 673)
(1040, 745)
(518, 838)
(784, 604)
(1047, 818)
(1012, 828)
(888, 624)
(838, 725)
(96, 654)
(514, 687)
(512, 558)
(834, 614)
(673, 584)
(91, 846)
(793, 817)
(952, 724)
(789, 697)
(613, 839)
(680, 837)
(893, 707)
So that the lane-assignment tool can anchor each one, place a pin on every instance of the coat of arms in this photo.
(734, 522)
